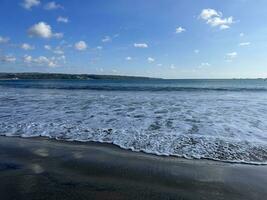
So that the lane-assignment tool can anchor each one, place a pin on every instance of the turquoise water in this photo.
(214, 119)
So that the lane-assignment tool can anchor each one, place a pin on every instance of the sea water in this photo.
(213, 119)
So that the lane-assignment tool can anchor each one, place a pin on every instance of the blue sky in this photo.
(158, 38)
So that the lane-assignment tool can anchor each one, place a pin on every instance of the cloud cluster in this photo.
(47, 47)
(215, 18)
(80, 46)
(44, 61)
(62, 19)
(27, 47)
(28, 4)
(57, 50)
(40, 29)
(140, 45)
(180, 29)
(210, 16)
(58, 35)
(8, 59)
(52, 6)
(41, 60)
(43, 30)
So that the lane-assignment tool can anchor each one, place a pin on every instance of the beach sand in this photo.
(40, 168)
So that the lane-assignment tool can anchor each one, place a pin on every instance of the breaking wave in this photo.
(228, 126)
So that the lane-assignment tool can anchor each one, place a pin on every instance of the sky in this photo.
(156, 38)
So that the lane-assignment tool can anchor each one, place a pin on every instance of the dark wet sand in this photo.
(46, 169)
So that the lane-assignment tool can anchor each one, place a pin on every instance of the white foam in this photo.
(229, 126)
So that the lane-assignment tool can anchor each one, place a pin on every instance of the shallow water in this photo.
(215, 119)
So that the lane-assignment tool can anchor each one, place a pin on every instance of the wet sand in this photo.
(39, 168)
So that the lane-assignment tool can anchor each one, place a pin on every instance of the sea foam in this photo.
(226, 125)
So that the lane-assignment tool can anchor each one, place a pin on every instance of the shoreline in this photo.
(112, 145)
(33, 167)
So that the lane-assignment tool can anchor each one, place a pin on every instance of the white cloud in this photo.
(47, 47)
(242, 34)
(150, 60)
(231, 56)
(215, 19)
(128, 58)
(99, 47)
(3, 40)
(140, 45)
(58, 35)
(106, 39)
(28, 4)
(80, 46)
(62, 19)
(58, 51)
(43, 30)
(52, 6)
(180, 29)
(208, 13)
(244, 44)
(223, 23)
(223, 27)
(27, 59)
(26, 46)
(43, 60)
(8, 58)
(109, 38)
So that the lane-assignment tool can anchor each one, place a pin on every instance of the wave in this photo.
(181, 145)
(137, 88)
(212, 125)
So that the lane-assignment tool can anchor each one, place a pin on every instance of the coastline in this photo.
(40, 168)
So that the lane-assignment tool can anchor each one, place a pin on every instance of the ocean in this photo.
(224, 120)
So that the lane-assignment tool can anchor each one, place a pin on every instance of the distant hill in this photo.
(67, 76)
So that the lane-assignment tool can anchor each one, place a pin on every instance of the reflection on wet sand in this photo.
(46, 169)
